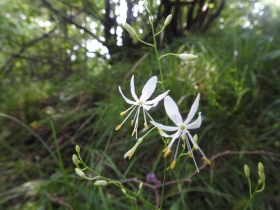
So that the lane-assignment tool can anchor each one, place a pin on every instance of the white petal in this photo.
(126, 99)
(148, 89)
(172, 110)
(175, 136)
(193, 109)
(157, 99)
(147, 107)
(162, 133)
(164, 127)
(195, 124)
(132, 89)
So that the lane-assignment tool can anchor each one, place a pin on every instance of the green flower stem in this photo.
(251, 197)
(163, 90)
(160, 31)
(250, 186)
(146, 134)
(157, 54)
(261, 188)
(146, 43)
(168, 54)
(132, 195)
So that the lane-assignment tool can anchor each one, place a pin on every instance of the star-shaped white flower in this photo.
(182, 128)
(141, 102)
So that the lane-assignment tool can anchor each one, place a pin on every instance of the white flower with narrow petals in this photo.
(141, 102)
(182, 128)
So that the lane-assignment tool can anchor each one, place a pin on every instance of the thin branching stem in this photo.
(163, 90)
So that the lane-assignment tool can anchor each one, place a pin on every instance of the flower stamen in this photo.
(206, 160)
(173, 164)
(166, 153)
(134, 131)
(118, 127)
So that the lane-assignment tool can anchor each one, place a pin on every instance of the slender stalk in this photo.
(251, 197)
(157, 54)
(146, 43)
(163, 90)
(250, 186)
(168, 54)
(160, 31)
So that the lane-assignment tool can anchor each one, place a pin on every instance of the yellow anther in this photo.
(173, 164)
(134, 131)
(190, 154)
(118, 127)
(166, 153)
(145, 125)
(132, 122)
(207, 161)
(165, 149)
(123, 113)
(195, 146)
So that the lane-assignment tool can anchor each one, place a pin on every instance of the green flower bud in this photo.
(100, 183)
(187, 57)
(75, 159)
(130, 30)
(123, 190)
(140, 185)
(260, 167)
(80, 172)
(77, 149)
(261, 175)
(168, 20)
(247, 170)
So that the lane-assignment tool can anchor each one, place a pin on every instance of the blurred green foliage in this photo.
(55, 92)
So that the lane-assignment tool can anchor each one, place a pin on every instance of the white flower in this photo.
(182, 128)
(141, 102)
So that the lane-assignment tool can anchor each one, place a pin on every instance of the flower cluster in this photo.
(181, 127)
